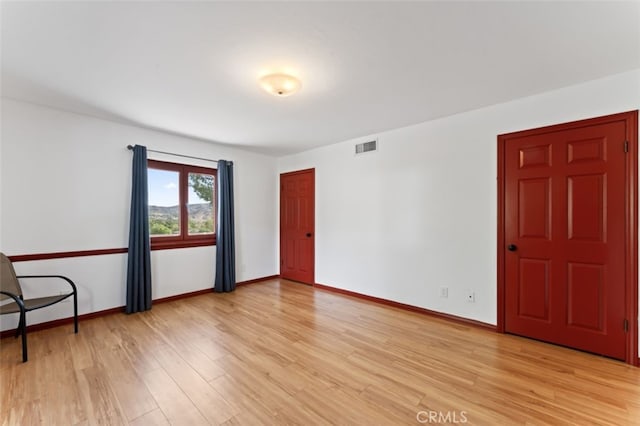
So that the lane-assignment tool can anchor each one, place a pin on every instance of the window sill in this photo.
(167, 245)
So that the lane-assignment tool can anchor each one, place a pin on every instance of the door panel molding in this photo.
(579, 151)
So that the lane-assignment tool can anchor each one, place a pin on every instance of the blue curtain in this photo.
(139, 258)
(225, 236)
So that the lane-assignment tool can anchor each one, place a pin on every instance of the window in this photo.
(182, 208)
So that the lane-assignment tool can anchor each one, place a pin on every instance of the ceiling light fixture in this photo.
(280, 85)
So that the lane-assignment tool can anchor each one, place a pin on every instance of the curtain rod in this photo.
(130, 147)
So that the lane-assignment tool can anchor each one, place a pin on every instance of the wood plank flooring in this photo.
(284, 353)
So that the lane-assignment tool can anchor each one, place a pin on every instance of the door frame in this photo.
(631, 220)
(313, 248)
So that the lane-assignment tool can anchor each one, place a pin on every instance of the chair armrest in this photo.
(73, 286)
(16, 299)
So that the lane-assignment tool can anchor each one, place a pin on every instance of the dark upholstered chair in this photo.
(10, 289)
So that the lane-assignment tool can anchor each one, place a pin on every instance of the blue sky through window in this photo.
(163, 189)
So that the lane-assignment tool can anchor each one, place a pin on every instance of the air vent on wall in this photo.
(361, 148)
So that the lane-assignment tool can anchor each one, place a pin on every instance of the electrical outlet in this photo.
(444, 292)
(471, 296)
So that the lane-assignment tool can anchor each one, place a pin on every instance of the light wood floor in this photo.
(284, 353)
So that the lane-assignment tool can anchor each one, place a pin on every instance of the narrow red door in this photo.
(564, 229)
(297, 225)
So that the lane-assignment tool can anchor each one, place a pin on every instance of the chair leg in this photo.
(75, 313)
(24, 348)
(24, 338)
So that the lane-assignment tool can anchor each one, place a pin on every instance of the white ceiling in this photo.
(191, 68)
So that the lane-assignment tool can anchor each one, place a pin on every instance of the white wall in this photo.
(1, 175)
(421, 212)
(65, 186)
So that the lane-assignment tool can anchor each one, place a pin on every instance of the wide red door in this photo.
(297, 225)
(564, 227)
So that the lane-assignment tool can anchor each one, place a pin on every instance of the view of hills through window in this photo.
(164, 203)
